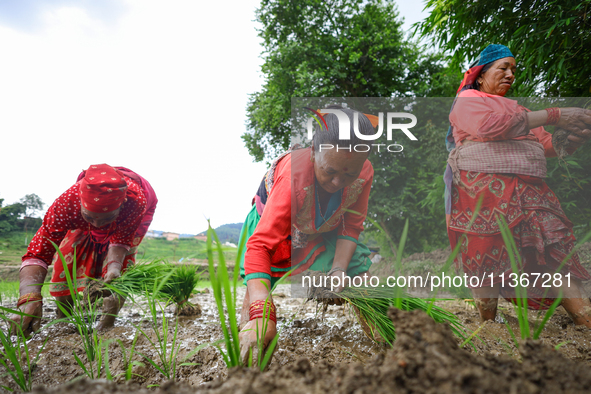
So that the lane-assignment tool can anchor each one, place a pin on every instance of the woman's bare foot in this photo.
(486, 300)
(577, 306)
(579, 309)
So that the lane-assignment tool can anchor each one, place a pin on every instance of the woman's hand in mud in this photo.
(28, 324)
(339, 279)
(248, 338)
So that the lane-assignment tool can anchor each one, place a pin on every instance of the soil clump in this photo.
(425, 358)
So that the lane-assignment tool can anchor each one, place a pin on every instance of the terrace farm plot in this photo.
(320, 352)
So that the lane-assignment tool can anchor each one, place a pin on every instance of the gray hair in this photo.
(331, 136)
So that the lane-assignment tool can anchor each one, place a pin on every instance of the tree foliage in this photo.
(11, 218)
(550, 39)
(32, 203)
(14, 217)
(335, 48)
(356, 48)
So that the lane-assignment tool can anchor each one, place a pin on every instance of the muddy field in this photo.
(329, 353)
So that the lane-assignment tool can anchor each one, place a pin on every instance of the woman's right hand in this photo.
(28, 324)
(248, 339)
(574, 119)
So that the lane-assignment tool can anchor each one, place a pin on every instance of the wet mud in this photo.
(327, 351)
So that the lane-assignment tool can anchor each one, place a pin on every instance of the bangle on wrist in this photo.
(553, 115)
(263, 309)
(29, 297)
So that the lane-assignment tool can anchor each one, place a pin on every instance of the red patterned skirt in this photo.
(90, 257)
(542, 232)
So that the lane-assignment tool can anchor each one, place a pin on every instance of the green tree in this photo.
(550, 39)
(356, 48)
(11, 218)
(32, 203)
(338, 48)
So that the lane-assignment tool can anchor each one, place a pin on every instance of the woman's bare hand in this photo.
(28, 324)
(574, 119)
(576, 140)
(248, 339)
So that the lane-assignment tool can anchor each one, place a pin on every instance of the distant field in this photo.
(12, 248)
(178, 250)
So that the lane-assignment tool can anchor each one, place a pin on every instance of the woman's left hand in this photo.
(113, 271)
(249, 340)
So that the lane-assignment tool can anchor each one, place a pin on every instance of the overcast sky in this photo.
(159, 87)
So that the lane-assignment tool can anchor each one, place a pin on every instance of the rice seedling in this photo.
(521, 298)
(267, 352)
(520, 292)
(561, 344)
(167, 349)
(373, 304)
(180, 287)
(141, 278)
(14, 353)
(127, 361)
(82, 314)
(223, 291)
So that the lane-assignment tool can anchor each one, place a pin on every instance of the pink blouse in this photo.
(483, 117)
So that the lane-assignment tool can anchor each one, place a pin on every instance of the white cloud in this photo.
(162, 92)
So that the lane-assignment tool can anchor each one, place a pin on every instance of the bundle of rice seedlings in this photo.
(139, 280)
(179, 288)
(373, 305)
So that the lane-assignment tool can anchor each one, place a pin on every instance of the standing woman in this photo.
(99, 221)
(299, 219)
(499, 156)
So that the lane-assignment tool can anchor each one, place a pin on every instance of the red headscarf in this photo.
(102, 189)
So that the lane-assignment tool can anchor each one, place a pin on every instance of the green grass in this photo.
(13, 246)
